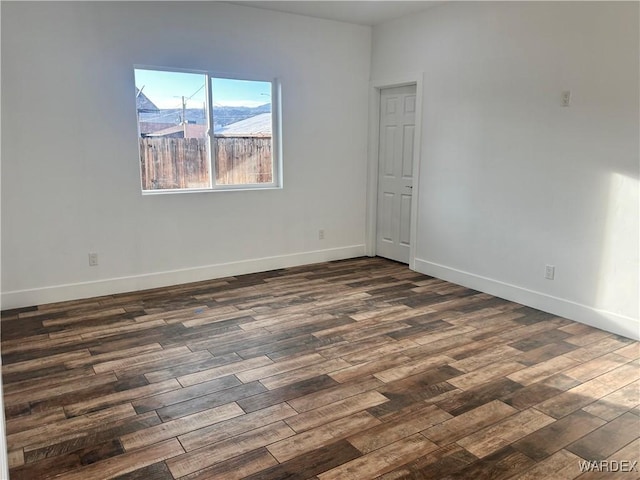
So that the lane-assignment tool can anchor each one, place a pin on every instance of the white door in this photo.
(395, 172)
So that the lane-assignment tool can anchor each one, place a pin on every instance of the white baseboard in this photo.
(74, 291)
(604, 320)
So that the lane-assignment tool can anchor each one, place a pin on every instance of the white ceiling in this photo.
(359, 12)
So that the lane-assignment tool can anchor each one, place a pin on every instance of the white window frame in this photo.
(276, 134)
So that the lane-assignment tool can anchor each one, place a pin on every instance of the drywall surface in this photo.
(511, 180)
(70, 165)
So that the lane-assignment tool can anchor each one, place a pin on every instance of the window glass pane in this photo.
(172, 128)
(242, 131)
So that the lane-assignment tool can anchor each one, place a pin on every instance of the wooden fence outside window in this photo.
(174, 163)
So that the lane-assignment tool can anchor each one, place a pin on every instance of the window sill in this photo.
(239, 188)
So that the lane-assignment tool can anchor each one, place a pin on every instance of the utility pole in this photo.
(184, 116)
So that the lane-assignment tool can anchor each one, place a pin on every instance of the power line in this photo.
(191, 96)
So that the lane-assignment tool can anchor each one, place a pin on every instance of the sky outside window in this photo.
(240, 93)
(166, 89)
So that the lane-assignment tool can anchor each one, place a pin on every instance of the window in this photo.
(202, 132)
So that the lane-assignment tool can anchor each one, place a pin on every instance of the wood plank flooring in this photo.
(356, 369)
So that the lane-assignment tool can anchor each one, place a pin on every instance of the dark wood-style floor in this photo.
(355, 369)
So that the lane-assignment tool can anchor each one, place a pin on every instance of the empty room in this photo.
(320, 240)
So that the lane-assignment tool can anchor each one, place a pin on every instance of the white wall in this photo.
(70, 176)
(510, 180)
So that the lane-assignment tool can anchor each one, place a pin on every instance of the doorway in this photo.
(395, 172)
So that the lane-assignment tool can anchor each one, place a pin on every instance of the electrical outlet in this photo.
(320, 234)
(93, 259)
(566, 98)
(549, 272)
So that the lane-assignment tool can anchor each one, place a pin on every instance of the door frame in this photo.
(375, 88)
